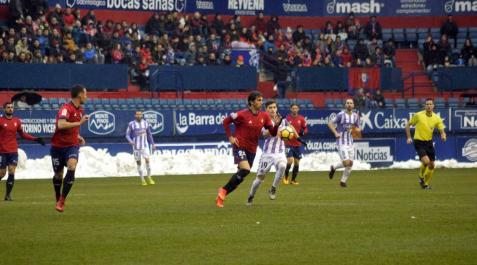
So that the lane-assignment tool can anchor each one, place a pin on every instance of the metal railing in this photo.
(414, 84)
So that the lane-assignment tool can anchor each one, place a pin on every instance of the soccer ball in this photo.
(287, 133)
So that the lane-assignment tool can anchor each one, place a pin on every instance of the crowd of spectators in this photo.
(372, 99)
(443, 54)
(63, 35)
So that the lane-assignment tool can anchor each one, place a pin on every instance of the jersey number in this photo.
(242, 154)
(263, 165)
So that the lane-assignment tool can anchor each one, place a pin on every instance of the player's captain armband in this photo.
(233, 115)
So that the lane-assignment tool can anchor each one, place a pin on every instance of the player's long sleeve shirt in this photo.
(9, 128)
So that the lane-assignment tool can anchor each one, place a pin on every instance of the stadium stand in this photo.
(65, 35)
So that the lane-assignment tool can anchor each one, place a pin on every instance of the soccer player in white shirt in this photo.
(139, 136)
(273, 154)
(341, 127)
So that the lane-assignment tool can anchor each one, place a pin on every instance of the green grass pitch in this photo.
(383, 217)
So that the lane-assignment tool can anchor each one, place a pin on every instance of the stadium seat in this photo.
(463, 33)
(453, 102)
(400, 103)
(439, 103)
(422, 33)
(329, 103)
(413, 103)
(473, 32)
(387, 34)
(339, 103)
(62, 101)
(389, 102)
(435, 33)
(411, 35)
(53, 101)
(398, 35)
(460, 43)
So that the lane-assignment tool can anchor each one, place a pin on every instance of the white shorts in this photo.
(141, 153)
(346, 152)
(268, 160)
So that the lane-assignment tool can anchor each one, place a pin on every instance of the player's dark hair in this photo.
(7, 103)
(270, 102)
(253, 96)
(293, 104)
(429, 99)
(76, 90)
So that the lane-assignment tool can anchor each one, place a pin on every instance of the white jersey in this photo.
(139, 133)
(275, 145)
(344, 122)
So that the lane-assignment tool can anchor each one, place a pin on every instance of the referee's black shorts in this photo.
(425, 148)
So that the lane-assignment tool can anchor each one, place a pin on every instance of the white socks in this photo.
(278, 175)
(148, 169)
(139, 170)
(256, 183)
(346, 174)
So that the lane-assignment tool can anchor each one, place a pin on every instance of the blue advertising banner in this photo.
(466, 149)
(464, 120)
(383, 7)
(199, 122)
(284, 7)
(394, 120)
(60, 76)
(202, 78)
(101, 123)
(372, 121)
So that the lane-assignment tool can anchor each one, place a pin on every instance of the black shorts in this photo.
(241, 154)
(61, 155)
(425, 148)
(8, 159)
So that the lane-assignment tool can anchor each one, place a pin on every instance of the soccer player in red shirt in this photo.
(248, 129)
(294, 152)
(65, 143)
(9, 128)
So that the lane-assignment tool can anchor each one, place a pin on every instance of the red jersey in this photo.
(299, 124)
(8, 134)
(248, 127)
(67, 137)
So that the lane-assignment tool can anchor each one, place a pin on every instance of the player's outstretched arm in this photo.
(29, 137)
(64, 124)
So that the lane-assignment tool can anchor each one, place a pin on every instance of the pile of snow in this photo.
(99, 163)
(449, 163)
